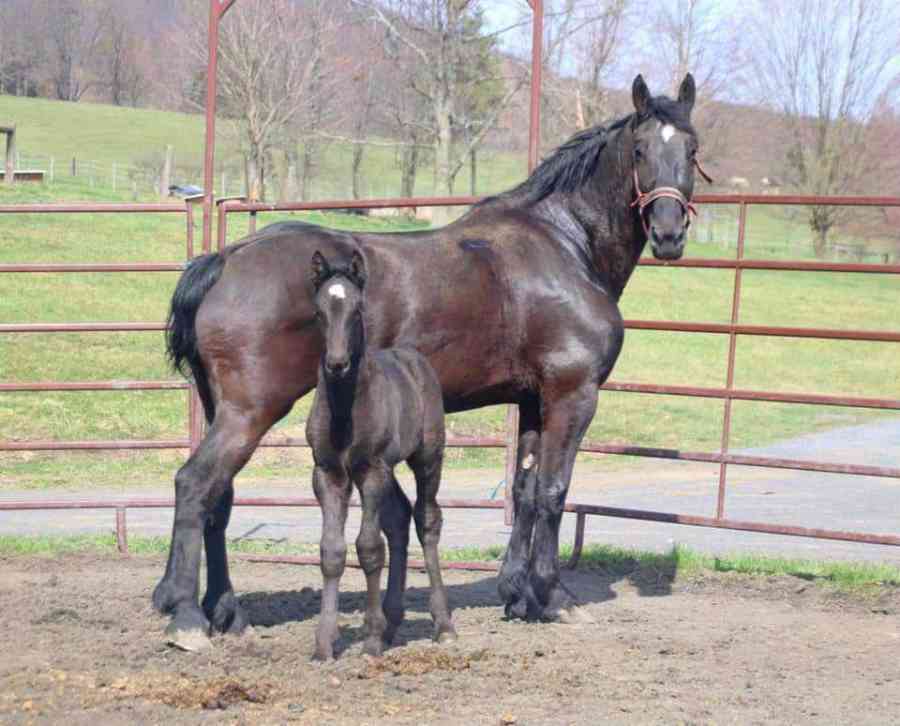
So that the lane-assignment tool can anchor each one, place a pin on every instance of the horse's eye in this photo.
(638, 153)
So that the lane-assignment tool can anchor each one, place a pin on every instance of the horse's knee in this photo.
(333, 555)
(370, 551)
(550, 498)
(429, 522)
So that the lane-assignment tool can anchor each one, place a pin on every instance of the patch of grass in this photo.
(678, 562)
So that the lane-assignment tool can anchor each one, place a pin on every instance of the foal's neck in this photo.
(342, 394)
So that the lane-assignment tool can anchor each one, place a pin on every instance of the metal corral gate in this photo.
(728, 393)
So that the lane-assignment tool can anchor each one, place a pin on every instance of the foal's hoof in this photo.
(445, 634)
(517, 610)
(374, 646)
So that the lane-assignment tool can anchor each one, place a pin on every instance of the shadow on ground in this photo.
(593, 583)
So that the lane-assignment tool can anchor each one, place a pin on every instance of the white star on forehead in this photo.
(667, 132)
(337, 290)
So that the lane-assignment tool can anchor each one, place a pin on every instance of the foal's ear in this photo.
(640, 95)
(358, 268)
(687, 92)
(320, 269)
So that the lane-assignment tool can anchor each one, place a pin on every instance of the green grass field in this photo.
(820, 299)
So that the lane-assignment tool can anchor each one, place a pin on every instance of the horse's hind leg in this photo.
(426, 465)
(512, 582)
(395, 516)
(201, 488)
(219, 603)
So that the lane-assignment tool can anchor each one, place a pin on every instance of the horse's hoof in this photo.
(163, 598)
(193, 640)
(445, 634)
(323, 655)
(227, 616)
(573, 615)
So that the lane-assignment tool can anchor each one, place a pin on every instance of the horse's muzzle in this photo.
(667, 245)
(337, 368)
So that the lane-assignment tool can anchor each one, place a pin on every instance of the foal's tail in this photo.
(198, 277)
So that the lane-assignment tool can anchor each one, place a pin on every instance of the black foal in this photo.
(372, 410)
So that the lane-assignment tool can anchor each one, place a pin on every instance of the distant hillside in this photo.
(98, 135)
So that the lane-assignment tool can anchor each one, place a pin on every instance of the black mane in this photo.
(575, 161)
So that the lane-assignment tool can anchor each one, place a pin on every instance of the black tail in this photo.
(198, 277)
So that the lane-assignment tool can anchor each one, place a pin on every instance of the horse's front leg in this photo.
(512, 582)
(565, 421)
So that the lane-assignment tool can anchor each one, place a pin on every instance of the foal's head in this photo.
(339, 307)
(664, 146)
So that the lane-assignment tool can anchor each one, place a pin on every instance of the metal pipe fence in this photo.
(727, 393)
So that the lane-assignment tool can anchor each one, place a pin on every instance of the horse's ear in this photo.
(320, 269)
(640, 95)
(687, 92)
(358, 268)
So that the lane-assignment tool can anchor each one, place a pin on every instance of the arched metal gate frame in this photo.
(728, 393)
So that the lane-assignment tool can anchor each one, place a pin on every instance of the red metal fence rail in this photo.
(727, 393)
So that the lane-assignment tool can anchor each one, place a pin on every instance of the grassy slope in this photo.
(786, 298)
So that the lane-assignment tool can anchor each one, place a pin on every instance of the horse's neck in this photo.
(603, 210)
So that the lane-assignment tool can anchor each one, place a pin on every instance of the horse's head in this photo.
(339, 307)
(664, 149)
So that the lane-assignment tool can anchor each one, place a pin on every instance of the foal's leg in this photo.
(333, 492)
(199, 486)
(512, 582)
(395, 516)
(426, 465)
(565, 421)
(370, 551)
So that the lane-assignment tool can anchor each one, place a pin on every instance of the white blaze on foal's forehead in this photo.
(667, 132)
(337, 290)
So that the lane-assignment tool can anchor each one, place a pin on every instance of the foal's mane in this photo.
(573, 163)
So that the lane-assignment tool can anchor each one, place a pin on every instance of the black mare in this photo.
(372, 410)
(515, 302)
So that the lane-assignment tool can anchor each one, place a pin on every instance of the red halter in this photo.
(645, 199)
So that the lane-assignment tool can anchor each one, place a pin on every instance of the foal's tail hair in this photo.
(198, 277)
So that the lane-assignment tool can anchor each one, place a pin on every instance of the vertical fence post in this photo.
(729, 377)
(74, 167)
(9, 171)
(121, 531)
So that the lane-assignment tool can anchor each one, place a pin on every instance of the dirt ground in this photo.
(82, 646)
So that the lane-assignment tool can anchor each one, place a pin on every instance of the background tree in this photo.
(447, 46)
(824, 64)
(73, 30)
(270, 71)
